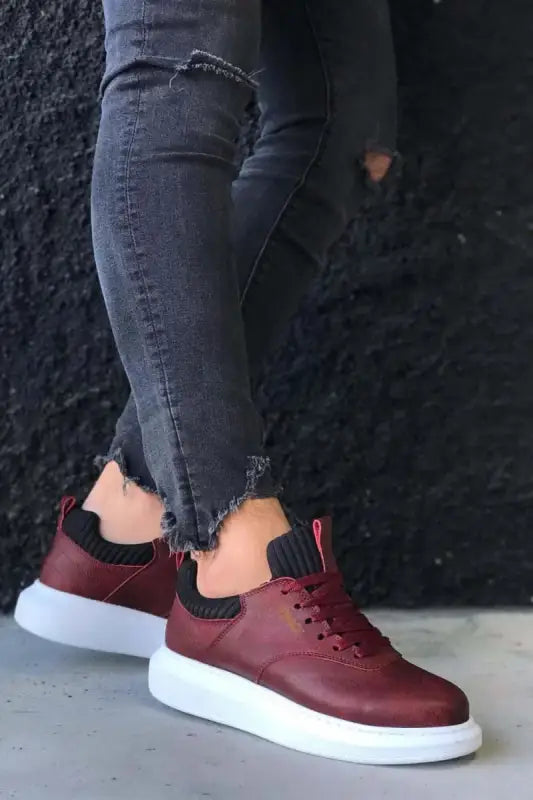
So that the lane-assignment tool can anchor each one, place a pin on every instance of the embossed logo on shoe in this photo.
(289, 619)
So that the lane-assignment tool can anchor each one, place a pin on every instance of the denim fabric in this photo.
(201, 267)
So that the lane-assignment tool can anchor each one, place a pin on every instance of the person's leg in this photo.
(278, 196)
(293, 660)
(322, 105)
(327, 99)
(176, 83)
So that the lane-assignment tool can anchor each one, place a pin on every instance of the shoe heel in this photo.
(91, 624)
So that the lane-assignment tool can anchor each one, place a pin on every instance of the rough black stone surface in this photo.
(402, 397)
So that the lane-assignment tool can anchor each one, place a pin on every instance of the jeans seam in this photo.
(312, 162)
(141, 272)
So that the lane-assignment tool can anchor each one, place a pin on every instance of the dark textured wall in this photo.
(402, 396)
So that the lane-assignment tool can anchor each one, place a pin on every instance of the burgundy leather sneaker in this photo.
(99, 595)
(296, 663)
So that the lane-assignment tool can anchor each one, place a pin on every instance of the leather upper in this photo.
(148, 587)
(281, 640)
(270, 643)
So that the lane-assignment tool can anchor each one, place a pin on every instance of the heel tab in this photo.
(67, 504)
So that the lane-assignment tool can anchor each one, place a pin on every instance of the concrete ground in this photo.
(77, 725)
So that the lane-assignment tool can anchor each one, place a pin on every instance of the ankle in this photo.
(128, 514)
(239, 562)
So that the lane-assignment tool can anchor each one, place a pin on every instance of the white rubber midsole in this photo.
(70, 619)
(229, 699)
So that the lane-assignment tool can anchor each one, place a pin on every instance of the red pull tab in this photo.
(323, 539)
(67, 504)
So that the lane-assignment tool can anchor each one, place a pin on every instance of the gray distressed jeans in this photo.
(201, 263)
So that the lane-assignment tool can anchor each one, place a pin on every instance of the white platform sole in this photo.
(228, 699)
(80, 622)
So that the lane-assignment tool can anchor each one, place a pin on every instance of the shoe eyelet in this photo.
(336, 647)
(308, 621)
(284, 591)
(297, 606)
(320, 636)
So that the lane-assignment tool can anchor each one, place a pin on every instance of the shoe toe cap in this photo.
(413, 697)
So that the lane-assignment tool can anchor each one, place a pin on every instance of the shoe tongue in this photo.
(304, 550)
